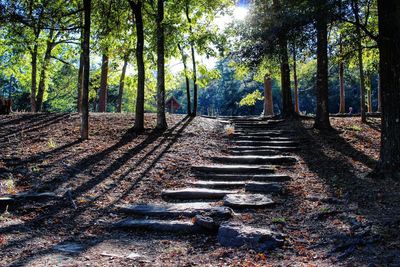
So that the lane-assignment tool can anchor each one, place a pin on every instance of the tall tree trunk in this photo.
(369, 94)
(342, 105)
(389, 48)
(80, 83)
(43, 72)
(34, 55)
(86, 71)
(122, 84)
(139, 114)
(287, 104)
(161, 120)
(355, 7)
(379, 94)
(322, 116)
(194, 113)
(103, 84)
(80, 71)
(296, 82)
(185, 69)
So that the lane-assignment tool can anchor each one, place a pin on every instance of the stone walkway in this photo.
(247, 178)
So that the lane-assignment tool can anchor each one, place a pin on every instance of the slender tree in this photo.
(296, 82)
(389, 48)
(103, 90)
(138, 21)
(122, 83)
(187, 81)
(342, 104)
(161, 120)
(86, 71)
(322, 116)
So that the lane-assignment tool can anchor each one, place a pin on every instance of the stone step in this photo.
(159, 225)
(233, 169)
(261, 148)
(244, 177)
(258, 239)
(262, 152)
(277, 160)
(196, 193)
(248, 201)
(258, 187)
(264, 138)
(265, 188)
(271, 133)
(265, 143)
(177, 210)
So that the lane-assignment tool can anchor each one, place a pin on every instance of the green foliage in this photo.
(251, 99)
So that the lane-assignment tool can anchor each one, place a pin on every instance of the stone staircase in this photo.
(245, 178)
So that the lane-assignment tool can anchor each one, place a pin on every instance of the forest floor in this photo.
(332, 213)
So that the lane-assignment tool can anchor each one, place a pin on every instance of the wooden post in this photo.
(268, 101)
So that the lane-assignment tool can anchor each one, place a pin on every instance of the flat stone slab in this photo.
(159, 225)
(266, 143)
(259, 239)
(29, 196)
(244, 177)
(177, 210)
(261, 148)
(257, 187)
(261, 152)
(196, 193)
(218, 184)
(70, 247)
(246, 137)
(248, 201)
(255, 159)
(233, 169)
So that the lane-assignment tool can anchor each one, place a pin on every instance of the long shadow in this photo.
(55, 209)
(28, 118)
(340, 176)
(40, 124)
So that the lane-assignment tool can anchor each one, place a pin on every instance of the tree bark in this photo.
(185, 69)
(194, 112)
(80, 71)
(296, 83)
(103, 84)
(379, 94)
(161, 120)
(139, 113)
(355, 7)
(369, 94)
(322, 115)
(86, 70)
(43, 72)
(342, 105)
(122, 84)
(34, 55)
(389, 48)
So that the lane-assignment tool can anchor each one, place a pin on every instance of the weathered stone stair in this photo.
(243, 180)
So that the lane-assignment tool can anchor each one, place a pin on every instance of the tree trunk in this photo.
(355, 7)
(296, 83)
(379, 94)
(139, 114)
(43, 72)
(80, 85)
(161, 120)
(389, 40)
(185, 69)
(103, 84)
(322, 114)
(86, 70)
(80, 72)
(369, 94)
(342, 105)
(34, 54)
(122, 84)
(194, 113)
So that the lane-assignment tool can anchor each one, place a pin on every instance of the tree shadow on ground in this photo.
(56, 210)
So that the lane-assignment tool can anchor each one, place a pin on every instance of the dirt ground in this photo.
(332, 213)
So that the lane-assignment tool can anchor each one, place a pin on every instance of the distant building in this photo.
(172, 105)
